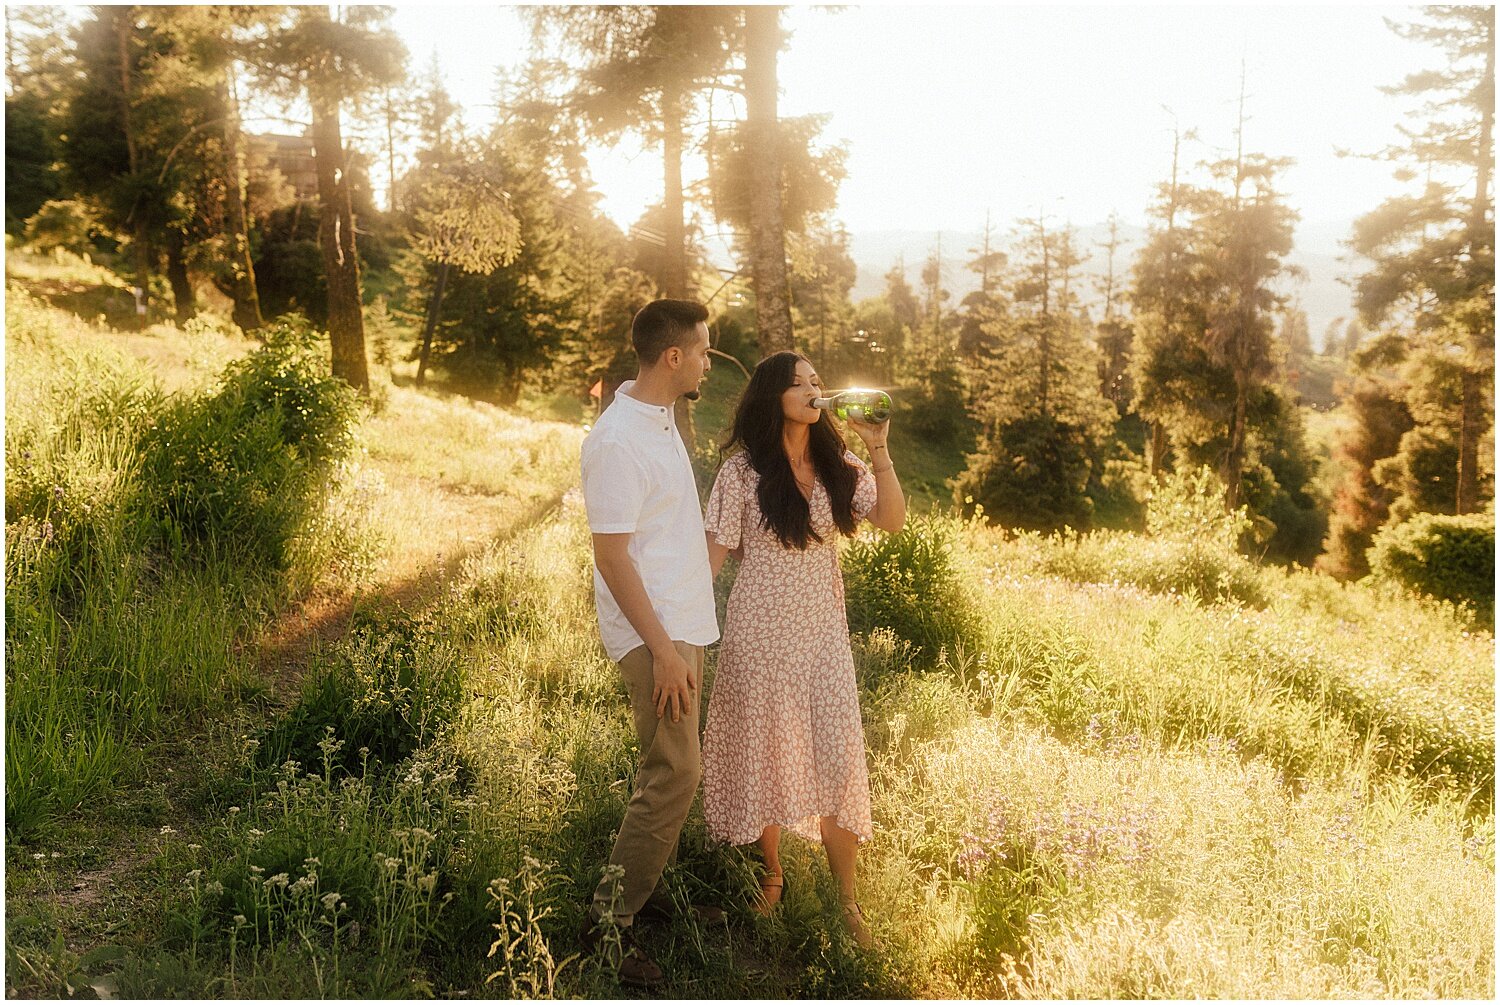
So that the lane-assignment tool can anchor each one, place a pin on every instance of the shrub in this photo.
(386, 690)
(1165, 565)
(907, 582)
(62, 223)
(1446, 557)
(237, 473)
(1190, 505)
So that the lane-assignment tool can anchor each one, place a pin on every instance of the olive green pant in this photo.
(665, 783)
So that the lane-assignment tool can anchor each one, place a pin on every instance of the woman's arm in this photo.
(717, 553)
(889, 512)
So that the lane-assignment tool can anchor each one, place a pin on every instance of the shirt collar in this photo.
(639, 407)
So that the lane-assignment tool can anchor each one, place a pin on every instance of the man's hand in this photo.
(675, 683)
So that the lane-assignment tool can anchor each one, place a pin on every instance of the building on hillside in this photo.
(293, 157)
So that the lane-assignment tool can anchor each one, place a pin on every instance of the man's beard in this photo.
(693, 395)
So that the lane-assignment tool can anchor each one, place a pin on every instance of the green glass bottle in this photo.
(858, 404)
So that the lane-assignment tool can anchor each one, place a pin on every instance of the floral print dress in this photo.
(784, 743)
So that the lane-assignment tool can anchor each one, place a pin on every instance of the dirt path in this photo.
(414, 578)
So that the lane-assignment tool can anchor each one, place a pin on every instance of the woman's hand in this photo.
(874, 434)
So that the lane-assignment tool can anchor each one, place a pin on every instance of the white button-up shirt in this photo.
(638, 480)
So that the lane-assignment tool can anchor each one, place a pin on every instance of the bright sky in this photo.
(949, 111)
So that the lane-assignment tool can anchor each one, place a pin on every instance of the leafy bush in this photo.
(385, 690)
(1164, 565)
(1189, 505)
(237, 473)
(907, 582)
(62, 223)
(1446, 557)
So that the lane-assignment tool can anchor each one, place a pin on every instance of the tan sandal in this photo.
(854, 920)
(769, 882)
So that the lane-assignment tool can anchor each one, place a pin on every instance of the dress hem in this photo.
(735, 840)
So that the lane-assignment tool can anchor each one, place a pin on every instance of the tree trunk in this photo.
(390, 149)
(1486, 96)
(768, 274)
(1158, 449)
(673, 281)
(140, 243)
(434, 307)
(346, 326)
(242, 290)
(1470, 428)
(177, 276)
(1234, 459)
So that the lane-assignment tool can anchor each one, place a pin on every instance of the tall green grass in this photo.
(1113, 766)
(1091, 792)
(146, 534)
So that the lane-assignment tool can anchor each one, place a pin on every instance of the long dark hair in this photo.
(757, 431)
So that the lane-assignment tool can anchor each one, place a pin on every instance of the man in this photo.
(655, 602)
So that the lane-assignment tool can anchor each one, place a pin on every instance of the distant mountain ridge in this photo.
(1317, 251)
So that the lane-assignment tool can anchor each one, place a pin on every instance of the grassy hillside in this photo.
(392, 764)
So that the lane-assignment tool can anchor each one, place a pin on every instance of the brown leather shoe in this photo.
(660, 909)
(634, 967)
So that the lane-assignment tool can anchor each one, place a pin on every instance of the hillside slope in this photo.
(1102, 767)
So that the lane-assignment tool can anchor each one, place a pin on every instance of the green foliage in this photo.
(1031, 475)
(288, 265)
(1189, 506)
(1446, 557)
(31, 176)
(107, 639)
(1119, 483)
(345, 878)
(908, 583)
(386, 689)
(1278, 481)
(1377, 419)
(1176, 565)
(933, 405)
(1034, 390)
(62, 223)
(810, 175)
(1432, 273)
(464, 220)
(240, 471)
(502, 329)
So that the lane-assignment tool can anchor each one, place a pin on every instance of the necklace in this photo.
(806, 483)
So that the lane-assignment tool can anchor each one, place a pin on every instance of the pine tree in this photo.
(1036, 396)
(1114, 335)
(1432, 278)
(330, 62)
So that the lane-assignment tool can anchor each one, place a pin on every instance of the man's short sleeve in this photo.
(614, 487)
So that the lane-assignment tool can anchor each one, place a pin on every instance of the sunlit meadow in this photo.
(392, 763)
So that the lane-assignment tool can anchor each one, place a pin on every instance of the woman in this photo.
(784, 747)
